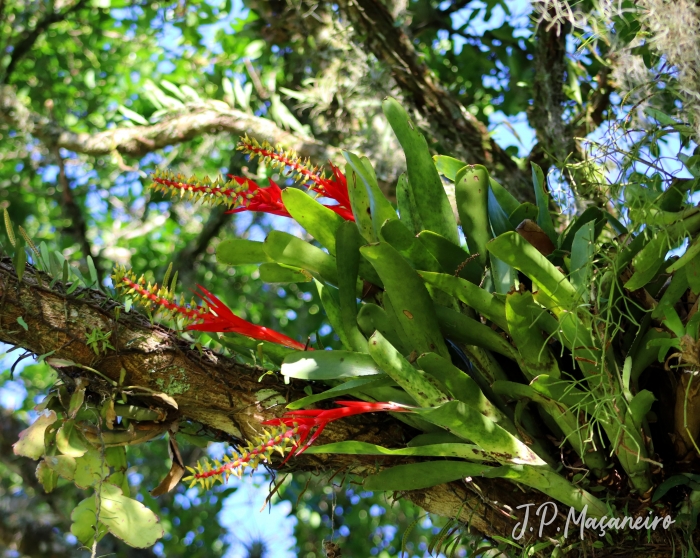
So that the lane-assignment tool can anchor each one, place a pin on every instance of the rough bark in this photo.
(224, 395)
(460, 133)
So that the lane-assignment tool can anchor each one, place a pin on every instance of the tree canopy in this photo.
(457, 241)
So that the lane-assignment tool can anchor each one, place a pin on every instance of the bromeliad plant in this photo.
(535, 353)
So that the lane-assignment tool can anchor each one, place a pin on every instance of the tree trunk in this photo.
(459, 132)
(232, 399)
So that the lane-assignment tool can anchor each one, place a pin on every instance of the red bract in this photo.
(255, 198)
(219, 318)
(307, 420)
(269, 200)
(337, 189)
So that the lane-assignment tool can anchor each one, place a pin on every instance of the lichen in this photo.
(176, 383)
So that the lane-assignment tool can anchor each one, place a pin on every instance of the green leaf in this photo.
(94, 280)
(238, 251)
(421, 386)
(373, 318)
(503, 276)
(460, 385)
(76, 399)
(46, 476)
(416, 476)
(661, 117)
(331, 305)
(254, 49)
(479, 299)
(121, 480)
(591, 214)
(240, 343)
(640, 406)
(432, 204)
(472, 195)
(380, 209)
(131, 115)
(465, 451)
(280, 273)
(521, 313)
(582, 253)
(346, 388)
(465, 330)
(20, 258)
(31, 440)
(128, 519)
(328, 365)
(90, 469)
(668, 484)
(497, 216)
(400, 237)
(550, 483)
(116, 458)
(70, 441)
(348, 240)
(649, 260)
(692, 273)
(524, 211)
(690, 254)
(408, 213)
(45, 257)
(505, 199)
(467, 423)
(359, 200)
(63, 465)
(20, 321)
(520, 254)
(544, 217)
(409, 298)
(559, 414)
(287, 249)
(448, 166)
(174, 89)
(84, 518)
(319, 221)
(451, 257)
(437, 437)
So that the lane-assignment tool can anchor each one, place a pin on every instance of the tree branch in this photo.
(137, 141)
(449, 122)
(216, 391)
(556, 142)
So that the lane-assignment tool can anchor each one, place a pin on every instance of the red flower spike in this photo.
(307, 420)
(151, 296)
(212, 316)
(221, 319)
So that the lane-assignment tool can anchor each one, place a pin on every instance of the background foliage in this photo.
(596, 70)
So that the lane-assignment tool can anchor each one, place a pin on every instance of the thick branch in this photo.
(458, 131)
(137, 141)
(546, 115)
(215, 391)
